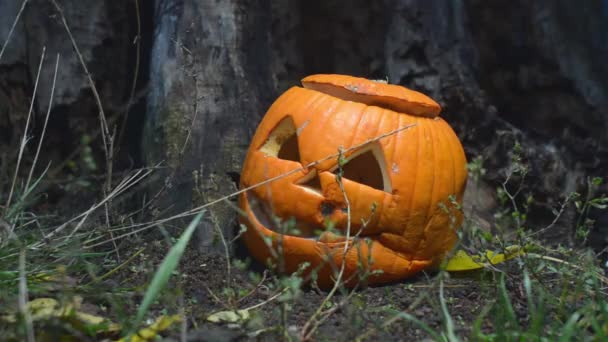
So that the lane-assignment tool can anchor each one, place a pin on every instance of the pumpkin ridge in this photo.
(328, 115)
(435, 150)
(450, 152)
(412, 192)
(426, 154)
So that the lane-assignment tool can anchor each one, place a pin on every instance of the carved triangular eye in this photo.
(282, 141)
(368, 168)
(290, 149)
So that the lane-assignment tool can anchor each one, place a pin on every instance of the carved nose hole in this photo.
(327, 208)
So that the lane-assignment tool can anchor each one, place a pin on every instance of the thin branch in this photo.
(148, 225)
(135, 73)
(106, 136)
(306, 331)
(273, 297)
(46, 120)
(24, 139)
(10, 32)
(555, 219)
(120, 188)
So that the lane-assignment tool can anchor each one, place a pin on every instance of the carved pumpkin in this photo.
(401, 188)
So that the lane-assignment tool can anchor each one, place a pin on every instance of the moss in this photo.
(165, 136)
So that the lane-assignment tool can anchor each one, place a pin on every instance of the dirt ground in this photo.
(364, 312)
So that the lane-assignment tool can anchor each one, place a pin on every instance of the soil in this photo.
(365, 310)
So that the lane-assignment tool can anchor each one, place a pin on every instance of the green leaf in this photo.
(597, 181)
(166, 268)
(505, 306)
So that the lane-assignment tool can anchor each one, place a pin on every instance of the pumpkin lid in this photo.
(376, 93)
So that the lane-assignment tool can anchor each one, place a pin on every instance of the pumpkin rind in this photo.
(397, 98)
(409, 229)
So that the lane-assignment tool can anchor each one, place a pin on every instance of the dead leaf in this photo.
(231, 316)
(151, 332)
(461, 261)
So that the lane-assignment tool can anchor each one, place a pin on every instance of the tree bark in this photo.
(101, 31)
(503, 72)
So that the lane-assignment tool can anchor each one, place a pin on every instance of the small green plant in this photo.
(583, 206)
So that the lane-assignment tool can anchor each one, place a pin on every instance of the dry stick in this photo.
(23, 298)
(10, 32)
(194, 116)
(46, 120)
(24, 138)
(604, 279)
(255, 288)
(117, 268)
(306, 332)
(107, 138)
(135, 73)
(148, 225)
(512, 196)
(275, 296)
(217, 299)
(226, 255)
(120, 188)
(555, 219)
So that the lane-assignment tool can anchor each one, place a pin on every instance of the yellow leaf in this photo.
(151, 332)
(231, 316)
(42, 309)
(461, 261)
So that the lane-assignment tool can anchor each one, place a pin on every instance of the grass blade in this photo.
(569, 328)
(449, 323)
(166, 268)
(434, 335)
(506, 323)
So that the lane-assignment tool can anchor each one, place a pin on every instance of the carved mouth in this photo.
(262, 213)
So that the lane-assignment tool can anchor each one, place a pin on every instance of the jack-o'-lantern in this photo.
(324, 158)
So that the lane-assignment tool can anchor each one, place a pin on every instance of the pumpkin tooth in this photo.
(329, 237)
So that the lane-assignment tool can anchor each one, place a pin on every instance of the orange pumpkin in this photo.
(402, 188)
